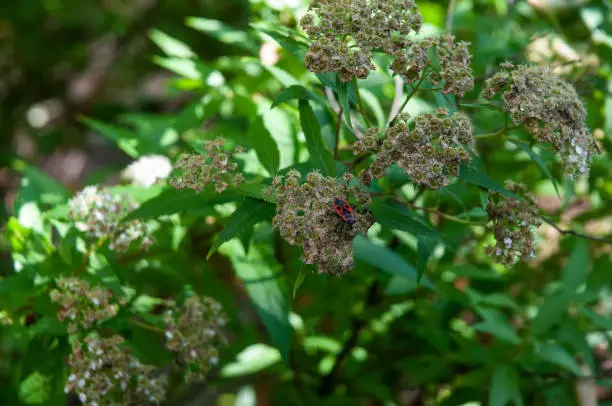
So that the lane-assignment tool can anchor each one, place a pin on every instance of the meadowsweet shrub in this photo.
(371, 187)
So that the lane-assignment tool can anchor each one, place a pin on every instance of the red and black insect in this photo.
(344, 210)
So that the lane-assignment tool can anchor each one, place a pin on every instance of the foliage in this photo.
(470, 264)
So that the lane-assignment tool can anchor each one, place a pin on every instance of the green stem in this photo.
(414, 90)
(360, 103)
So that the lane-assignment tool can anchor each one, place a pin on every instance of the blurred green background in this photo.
(62, 60)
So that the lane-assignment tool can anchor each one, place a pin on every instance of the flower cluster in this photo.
(431, 153)
(193, 332)
(103, 372)
(454, 59)
(345, 33)
(147, 170)
(305, 217)
(550, 110)
(216, 167)
(514, 225)
(82, 305)
(99, 214)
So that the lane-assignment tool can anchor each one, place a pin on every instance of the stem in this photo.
(449, 15)
(337, 137)
(360, 103)
(414, 90)
(146, 326)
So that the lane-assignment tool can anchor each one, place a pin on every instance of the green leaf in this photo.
(294, 92)
(538, 160)
(320, 155)
(298, 281)
(265, 146)
(599, 321)
(171, 46)
(223, 33)
(124, 138)
(35, 389)
(386, 260)
(495, 323)
(343, 98)
(176, 201)
(575, 272)
(505, 387)
(260, 274)
(253, 359)
(558, 355)
(187, 68)
(478, 177)
(425, 247)
(249, 213)
(395, 216)
(551, 312)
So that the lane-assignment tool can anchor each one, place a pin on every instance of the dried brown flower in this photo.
(305, 217)
(215, 167)
(550, 110)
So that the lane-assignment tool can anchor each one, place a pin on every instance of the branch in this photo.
(574, 233)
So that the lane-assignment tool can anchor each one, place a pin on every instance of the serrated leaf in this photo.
(261, 276)
(505, 388)
(35, 389)
(298, 281)
(558, 355)
(176, 201)
(249, 213)
(319, 154)
(386, 260)
(539, 161)
(171, 46)
(395, 216)
(265, 146)
(551, 312)
(343, 98)
(577, 268)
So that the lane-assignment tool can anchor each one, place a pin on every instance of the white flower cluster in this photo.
(147, 170)
(99, 214)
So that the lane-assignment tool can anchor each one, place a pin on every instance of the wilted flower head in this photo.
(305, 217)
(431, 153)
(98, 213)
(103, 372)
(147, 170)
(514, 225)
(346, 32)
(82, 305)
(193, 331)
(550, 110)
(216, 167)
(456, 72)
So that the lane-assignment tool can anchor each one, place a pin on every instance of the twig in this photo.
(574, 233)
